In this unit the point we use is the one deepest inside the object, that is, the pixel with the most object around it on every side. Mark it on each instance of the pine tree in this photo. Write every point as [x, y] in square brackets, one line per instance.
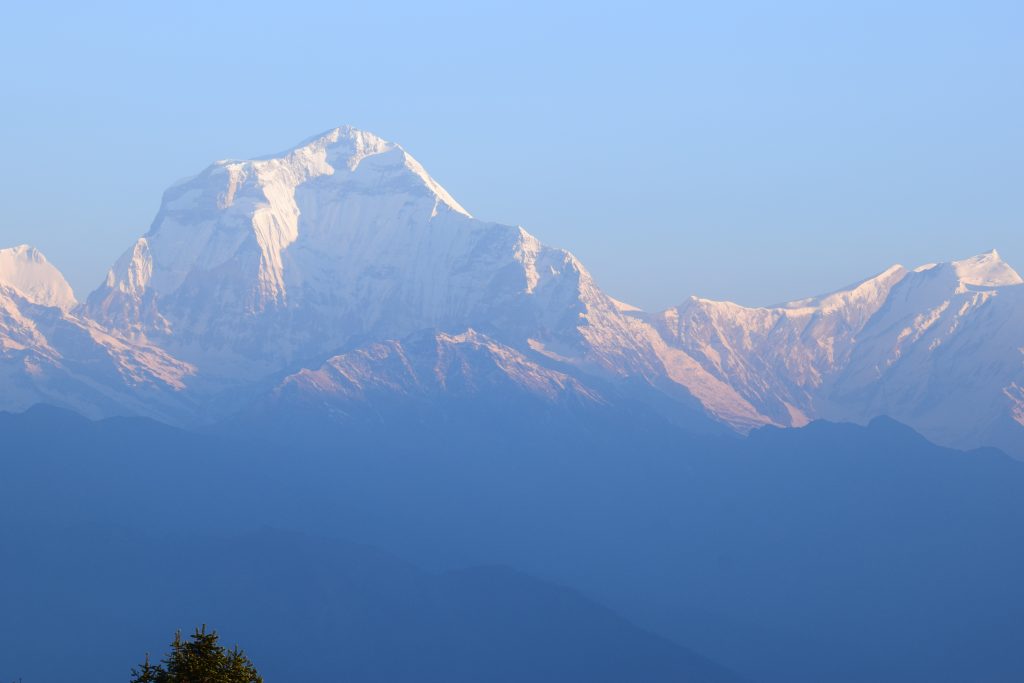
[147, 673]
[201, 659]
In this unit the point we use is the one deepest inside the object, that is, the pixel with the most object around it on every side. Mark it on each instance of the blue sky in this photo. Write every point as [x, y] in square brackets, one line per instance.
[749, 151]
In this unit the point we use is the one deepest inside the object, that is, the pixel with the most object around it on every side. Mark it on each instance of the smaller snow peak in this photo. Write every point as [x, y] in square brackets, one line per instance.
[986, 270]
[25, 270]
[135, 268]
[528, 237]
[28, 253]
[20, 254]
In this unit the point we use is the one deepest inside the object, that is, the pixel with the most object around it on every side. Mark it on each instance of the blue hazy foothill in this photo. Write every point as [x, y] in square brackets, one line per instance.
[833, 552]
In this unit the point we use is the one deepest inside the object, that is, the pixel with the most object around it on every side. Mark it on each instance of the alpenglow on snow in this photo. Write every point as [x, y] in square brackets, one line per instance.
[340, 274]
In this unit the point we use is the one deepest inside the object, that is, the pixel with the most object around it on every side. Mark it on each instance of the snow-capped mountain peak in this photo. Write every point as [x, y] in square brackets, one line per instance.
[337, 151]
[253, 264]
[341, 264]
[25, 270]
[986, 270]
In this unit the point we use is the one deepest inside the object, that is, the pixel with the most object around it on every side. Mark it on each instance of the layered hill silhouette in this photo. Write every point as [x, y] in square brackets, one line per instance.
[308, 609]
[831, 552]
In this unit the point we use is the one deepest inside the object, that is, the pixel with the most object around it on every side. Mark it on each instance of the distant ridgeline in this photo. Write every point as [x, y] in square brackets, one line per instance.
[553, 552]
[339, 277]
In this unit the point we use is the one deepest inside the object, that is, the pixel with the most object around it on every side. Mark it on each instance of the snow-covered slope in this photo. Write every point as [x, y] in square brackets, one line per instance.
[777, 358]
[50, 355]
[25, 271]
[945, 355]
[253, 266]
[430, 368]
[340, 274]
[254, 270]
[940, 348]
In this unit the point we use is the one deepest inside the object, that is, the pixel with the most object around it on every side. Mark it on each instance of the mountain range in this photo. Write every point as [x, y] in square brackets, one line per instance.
[338, 278]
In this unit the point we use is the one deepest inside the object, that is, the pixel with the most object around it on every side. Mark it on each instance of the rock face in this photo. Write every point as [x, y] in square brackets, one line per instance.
[340, 270]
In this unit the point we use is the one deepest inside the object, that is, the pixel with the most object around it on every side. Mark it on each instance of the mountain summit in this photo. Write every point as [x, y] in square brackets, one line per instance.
[339, 275]
[254, 266]
[26, 272]
[986, 270]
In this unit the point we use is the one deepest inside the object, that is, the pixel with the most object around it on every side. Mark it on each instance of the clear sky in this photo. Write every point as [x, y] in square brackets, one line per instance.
[755, 151]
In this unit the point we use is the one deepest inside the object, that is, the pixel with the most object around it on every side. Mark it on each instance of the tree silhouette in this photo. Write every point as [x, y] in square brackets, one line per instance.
[200, 659]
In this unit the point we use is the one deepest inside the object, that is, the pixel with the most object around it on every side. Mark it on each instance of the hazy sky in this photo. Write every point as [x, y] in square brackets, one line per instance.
[750, 151]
